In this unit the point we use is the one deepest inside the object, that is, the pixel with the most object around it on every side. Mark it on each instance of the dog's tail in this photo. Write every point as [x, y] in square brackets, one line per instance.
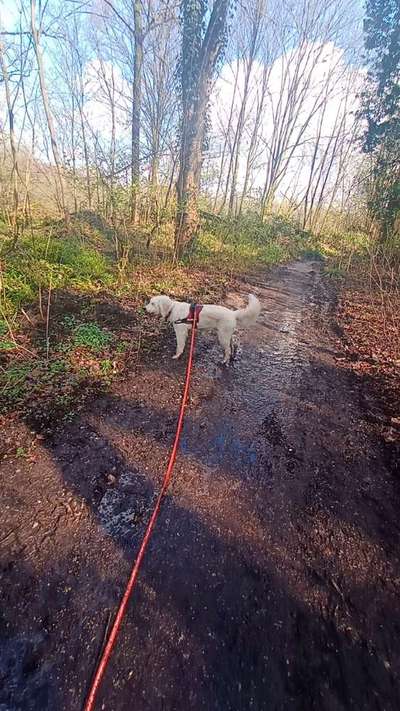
[249, 315]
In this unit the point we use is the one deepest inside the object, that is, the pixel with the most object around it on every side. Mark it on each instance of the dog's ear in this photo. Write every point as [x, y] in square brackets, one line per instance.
[164, 305]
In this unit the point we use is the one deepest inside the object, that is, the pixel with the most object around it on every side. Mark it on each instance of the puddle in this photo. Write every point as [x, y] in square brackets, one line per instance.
[121, 509]
[224, 445]
[269, 362]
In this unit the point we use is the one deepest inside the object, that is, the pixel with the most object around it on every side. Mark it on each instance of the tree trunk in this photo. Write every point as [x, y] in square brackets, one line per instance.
[14, 156]
[254, 137]
[155, 161]
[73, 149]
[46, 105]
[256, 26]
[226, 141]
[195, 104]
[136, 108]
[86, 157]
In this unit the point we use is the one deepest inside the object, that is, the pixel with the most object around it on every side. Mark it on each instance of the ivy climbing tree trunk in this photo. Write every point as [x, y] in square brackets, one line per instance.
[201, 46]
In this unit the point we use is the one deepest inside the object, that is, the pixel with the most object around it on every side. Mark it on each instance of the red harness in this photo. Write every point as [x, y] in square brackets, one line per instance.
[194, 311]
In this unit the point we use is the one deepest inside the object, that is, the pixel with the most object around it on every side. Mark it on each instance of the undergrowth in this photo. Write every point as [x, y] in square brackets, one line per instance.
[42, 262]
[248, 242]
[46, 355]
[83, 356]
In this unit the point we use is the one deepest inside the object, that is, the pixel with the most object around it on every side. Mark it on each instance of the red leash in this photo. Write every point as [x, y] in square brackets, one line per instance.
[112, 637]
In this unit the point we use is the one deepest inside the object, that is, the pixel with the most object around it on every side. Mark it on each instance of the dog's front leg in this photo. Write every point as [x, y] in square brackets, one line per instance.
[181, 333]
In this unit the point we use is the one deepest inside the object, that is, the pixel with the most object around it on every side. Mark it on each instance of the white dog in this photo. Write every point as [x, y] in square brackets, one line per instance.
[222, 319]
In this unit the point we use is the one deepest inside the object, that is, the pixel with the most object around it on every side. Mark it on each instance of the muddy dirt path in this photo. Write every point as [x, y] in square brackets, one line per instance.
[272, 580]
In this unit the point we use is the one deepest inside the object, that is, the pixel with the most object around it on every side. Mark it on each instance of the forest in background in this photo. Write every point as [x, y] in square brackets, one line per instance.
[166, 146]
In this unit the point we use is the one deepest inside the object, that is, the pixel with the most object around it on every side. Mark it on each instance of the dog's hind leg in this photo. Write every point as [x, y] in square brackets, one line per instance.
[234, 348]
[225, 334]
[181, 333]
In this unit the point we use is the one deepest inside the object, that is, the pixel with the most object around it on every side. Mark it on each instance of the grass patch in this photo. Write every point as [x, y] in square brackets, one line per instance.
[86, 355]
[6, 345]
[42, 261]
[342, 246]
[13, 380]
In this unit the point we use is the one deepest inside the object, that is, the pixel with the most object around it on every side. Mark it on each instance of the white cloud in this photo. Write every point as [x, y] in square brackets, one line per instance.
[101, 79]
[9, 15]
[323, 97]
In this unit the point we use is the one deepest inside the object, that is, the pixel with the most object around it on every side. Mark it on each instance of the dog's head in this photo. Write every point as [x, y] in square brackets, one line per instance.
[159, 305]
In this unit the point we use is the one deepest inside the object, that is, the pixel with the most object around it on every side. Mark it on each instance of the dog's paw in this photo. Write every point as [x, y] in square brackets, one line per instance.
[176, 356]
